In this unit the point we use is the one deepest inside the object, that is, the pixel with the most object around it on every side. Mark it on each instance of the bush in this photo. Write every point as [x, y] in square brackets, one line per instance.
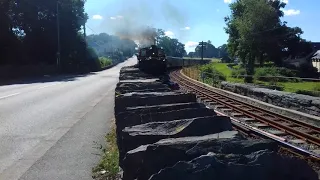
[238, 73]
[226, 59]
[92, 60]
[261, 73]
[316, 87]
[210, 72]
[233, 66]
[104, 62]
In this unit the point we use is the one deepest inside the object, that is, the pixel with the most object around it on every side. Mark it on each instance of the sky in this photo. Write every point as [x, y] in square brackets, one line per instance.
[190, 21]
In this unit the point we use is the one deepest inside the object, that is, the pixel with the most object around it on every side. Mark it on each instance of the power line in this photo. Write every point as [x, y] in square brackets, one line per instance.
[91, 29]
[95, 33]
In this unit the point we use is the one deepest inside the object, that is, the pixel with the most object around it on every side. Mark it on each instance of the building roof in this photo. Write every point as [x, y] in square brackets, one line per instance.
[316, 56]
[316, 45]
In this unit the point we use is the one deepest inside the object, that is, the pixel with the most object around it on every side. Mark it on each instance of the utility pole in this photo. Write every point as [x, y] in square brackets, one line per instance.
[58, 36]
[202, 47]
[202, 51]
[85, 39]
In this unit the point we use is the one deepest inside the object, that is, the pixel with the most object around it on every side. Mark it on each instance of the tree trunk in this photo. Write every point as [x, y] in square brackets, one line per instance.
[250, 68]
[261, 60]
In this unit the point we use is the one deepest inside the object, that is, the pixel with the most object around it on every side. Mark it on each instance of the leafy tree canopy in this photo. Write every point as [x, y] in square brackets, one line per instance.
[256, 33]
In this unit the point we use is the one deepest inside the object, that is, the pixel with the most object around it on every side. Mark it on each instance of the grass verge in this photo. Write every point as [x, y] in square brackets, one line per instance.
[212, 59]
[302, 87]
[108, 167]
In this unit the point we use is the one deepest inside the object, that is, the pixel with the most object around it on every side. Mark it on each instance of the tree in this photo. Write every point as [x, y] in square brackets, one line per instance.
[191, 54]
[9, 41]
[209, 51]
[223, 51]
[172, 47]
[112, 46]
[259, 35]
[30, 28]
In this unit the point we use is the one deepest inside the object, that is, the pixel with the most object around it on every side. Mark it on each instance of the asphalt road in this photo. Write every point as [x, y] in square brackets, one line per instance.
[48, 126]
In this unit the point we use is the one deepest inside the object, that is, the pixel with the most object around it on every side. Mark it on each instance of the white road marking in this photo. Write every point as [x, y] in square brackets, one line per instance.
[10, 95]
[48, 86]
[3, 97]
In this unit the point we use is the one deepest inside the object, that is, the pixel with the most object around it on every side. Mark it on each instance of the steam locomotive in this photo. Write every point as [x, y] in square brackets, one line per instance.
[152, 60]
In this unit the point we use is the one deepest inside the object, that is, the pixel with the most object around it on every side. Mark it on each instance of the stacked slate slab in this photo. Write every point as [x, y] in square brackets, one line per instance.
[166, 134]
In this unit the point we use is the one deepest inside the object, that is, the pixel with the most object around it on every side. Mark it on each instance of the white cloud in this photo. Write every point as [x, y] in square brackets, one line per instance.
[291, 12]
[191, 44]
[169, 34]
[116, 17]
[227, 1]
[185, 28]
[97, 16]
[284, 1]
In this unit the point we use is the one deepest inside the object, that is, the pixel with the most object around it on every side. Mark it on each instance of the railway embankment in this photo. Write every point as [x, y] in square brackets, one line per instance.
[303, 103]
[166, 134]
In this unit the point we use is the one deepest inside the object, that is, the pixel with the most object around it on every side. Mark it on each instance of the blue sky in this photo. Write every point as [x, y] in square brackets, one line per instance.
[191, 21]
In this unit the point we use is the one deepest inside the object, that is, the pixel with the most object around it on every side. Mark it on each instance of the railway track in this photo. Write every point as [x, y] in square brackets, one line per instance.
[298, 137]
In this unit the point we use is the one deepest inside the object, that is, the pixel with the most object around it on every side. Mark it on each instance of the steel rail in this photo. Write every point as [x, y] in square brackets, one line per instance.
[247, 111]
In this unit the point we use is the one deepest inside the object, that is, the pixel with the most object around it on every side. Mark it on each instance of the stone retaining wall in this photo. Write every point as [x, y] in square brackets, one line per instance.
[165, 134]
[303, 103]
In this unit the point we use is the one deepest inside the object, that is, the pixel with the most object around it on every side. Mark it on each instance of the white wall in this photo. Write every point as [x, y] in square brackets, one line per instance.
[316, 65]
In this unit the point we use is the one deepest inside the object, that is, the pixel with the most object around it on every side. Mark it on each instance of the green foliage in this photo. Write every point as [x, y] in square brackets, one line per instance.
[104, 62]
[212, 73]
[259, 35]
[112, 47]
[275, 86]
[210, 51]
[28, 32]
[110, 159]
[238, 73]
[261, 73]
[290, 85]
[172, 47]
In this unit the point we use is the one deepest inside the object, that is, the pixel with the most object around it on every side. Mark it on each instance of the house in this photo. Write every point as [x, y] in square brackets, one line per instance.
[316, 45]
[304, 60]
[316, 60]
[316, 56]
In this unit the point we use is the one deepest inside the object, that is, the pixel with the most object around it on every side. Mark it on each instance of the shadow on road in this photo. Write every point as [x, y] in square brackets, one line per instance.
[44, 79]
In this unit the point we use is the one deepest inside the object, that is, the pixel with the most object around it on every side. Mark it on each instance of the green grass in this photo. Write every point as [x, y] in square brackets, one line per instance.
[223, 68]
[226, 71]
[212, 59]
[310, 88]
[295, 86]
[109, 164]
